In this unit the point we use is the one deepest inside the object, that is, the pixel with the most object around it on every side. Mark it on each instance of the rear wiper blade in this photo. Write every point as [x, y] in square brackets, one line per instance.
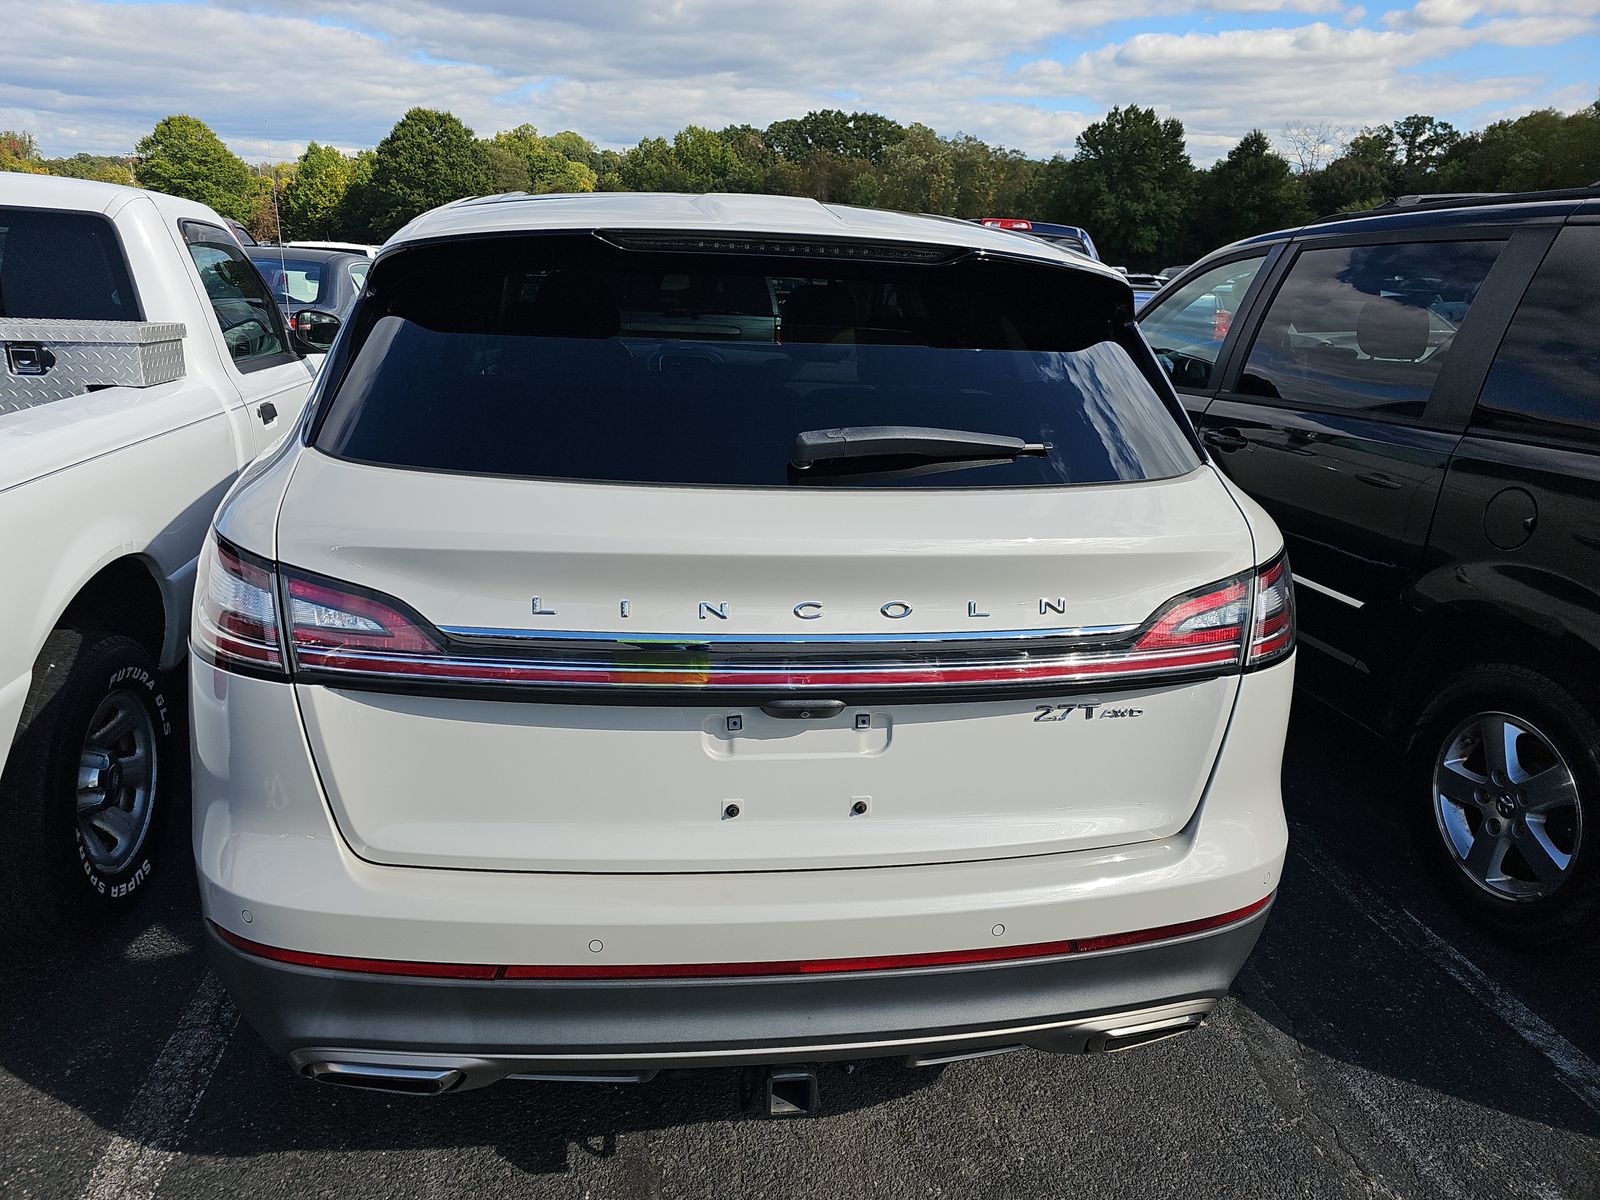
[913, 441]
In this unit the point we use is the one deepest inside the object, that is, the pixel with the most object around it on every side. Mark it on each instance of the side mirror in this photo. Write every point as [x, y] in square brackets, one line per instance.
[314, 330]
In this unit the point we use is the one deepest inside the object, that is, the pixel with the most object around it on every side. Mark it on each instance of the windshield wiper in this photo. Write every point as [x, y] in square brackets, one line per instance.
[904, 441]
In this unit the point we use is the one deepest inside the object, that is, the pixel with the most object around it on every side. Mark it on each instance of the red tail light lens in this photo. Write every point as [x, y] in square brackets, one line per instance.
[236, 610]
[1272, 631]
[338, 628]
[1220, 324]
[335, 630]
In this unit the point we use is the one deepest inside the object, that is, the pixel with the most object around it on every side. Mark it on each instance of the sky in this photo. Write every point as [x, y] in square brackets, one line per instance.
[269, 75]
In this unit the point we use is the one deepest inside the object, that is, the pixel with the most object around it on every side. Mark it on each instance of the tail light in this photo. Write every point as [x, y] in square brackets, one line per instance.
[332, 631]
[1272, 631]
[1220, 324]
[236, 611]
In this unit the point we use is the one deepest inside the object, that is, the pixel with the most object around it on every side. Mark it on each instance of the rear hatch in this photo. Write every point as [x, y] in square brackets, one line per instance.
[562, 603]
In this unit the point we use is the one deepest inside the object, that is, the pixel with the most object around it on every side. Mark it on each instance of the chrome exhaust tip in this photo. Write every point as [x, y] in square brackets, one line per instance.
[377, 1077]
[1128, 1037]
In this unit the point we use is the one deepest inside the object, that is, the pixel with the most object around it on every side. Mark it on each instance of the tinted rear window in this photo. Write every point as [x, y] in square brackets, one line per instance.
[566, 358]
[63, 265]
[1546, 379]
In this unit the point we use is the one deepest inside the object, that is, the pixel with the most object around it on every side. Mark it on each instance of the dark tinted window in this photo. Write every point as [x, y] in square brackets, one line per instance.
[1366, 327]
[63, 265]
[248, 318]
[1546, 378]
[564, 358]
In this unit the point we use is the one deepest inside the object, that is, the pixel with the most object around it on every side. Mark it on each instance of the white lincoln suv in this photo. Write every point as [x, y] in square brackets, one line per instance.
[733, 630]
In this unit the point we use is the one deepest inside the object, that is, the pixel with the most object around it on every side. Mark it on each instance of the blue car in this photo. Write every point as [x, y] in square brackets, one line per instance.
[1069, 237]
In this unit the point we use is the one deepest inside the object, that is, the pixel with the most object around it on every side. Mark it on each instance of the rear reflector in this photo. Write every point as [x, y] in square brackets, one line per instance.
[815, 966]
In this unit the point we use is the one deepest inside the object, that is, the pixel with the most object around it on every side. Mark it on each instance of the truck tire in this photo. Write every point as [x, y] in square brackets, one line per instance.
[85, 786]
[1503, 767]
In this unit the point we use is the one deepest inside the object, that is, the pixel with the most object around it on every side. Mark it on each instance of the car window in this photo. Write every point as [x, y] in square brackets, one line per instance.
[564, 358]
[1187, 328]
[358, 273]
[294, 282]
[1366, 327]
[64, 266]
[1546, 377]
[246, 315]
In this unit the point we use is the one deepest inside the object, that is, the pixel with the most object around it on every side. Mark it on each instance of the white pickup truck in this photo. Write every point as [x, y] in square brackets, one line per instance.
[144, 366]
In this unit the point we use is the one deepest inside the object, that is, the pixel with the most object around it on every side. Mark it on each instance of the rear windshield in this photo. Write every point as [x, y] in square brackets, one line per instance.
[569, 358]
[63, 265]
[294, 281]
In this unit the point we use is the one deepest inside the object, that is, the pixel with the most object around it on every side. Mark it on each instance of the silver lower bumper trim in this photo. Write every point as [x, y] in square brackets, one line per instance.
[1076, 1035]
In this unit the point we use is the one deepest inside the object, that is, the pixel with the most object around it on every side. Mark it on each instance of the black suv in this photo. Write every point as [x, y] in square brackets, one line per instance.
[1413, 393]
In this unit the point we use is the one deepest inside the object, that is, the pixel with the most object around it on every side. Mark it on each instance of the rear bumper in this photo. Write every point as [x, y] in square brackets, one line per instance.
[472, 1033]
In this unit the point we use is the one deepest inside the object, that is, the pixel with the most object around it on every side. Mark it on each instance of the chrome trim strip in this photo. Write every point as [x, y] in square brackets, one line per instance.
[1069, 669]
[1330, 592]
[1180, 1014]
[633, 640]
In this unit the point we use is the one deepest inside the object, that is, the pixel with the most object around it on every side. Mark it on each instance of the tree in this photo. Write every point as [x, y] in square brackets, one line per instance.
[919, 174]
[1130, 185]
[696, 160]
[19, 152]
[576, 148]
[830, 131]
[1248, 192]
[429, 158]
[1543, 149]
[1421, 143]
[105, 168]
[311, 201]
[183, 157]
[522, 161]
[1311, 147]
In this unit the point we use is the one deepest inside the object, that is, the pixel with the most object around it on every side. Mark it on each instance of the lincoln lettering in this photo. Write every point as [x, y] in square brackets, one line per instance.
[811, 610]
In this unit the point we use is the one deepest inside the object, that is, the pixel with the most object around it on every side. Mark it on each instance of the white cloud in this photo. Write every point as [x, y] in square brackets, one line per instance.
[342, 71]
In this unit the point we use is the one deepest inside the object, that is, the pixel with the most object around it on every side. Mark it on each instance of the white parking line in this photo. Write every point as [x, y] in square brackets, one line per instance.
[1577, 1070]
[158, 1115]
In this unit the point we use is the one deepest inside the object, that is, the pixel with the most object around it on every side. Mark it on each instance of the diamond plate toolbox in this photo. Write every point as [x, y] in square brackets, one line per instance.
[49, 360]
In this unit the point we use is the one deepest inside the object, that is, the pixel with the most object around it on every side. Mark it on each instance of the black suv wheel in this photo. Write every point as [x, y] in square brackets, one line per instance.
[85, 786]
[1504, 774]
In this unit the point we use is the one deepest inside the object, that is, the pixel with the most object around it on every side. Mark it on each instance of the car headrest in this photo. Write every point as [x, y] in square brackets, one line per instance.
[1386, 328]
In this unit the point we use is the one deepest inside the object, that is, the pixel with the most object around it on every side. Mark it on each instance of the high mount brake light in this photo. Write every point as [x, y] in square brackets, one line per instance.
[236, 620]
[336, 631]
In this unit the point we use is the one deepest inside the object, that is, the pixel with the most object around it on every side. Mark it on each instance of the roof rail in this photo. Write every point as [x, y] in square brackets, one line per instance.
[1435, 200]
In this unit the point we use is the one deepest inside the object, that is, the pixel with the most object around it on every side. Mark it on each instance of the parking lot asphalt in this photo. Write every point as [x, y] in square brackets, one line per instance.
[1375, 1045]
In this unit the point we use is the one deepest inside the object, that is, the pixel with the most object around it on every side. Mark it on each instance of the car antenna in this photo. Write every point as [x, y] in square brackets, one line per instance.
[283, 267]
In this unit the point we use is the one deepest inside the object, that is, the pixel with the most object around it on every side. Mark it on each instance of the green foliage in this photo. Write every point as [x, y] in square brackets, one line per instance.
[311, 202]
[522, 161]
[830, 131]
[1543, 149]
[19, 152]
[1129, 185]
[429, 158]
[1248, 192]
[696, 160]
[104, 168]
[183, 157]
